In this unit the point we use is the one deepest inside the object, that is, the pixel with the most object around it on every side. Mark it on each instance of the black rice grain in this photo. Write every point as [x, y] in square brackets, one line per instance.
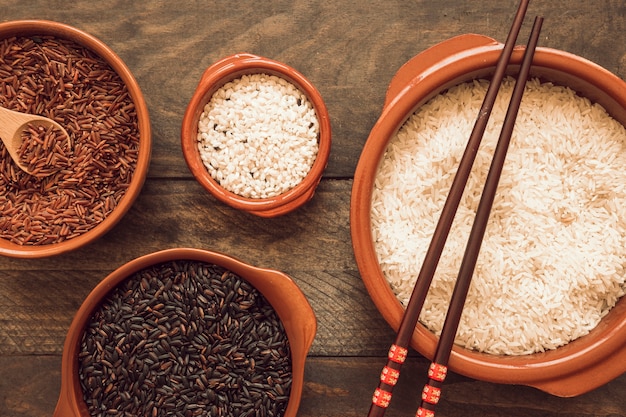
[185, 338]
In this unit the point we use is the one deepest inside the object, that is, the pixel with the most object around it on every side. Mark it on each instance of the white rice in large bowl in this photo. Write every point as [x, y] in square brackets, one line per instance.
[552, 261]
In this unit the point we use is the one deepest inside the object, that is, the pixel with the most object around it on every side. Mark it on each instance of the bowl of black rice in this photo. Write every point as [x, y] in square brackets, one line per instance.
[188, 332]
[63, 73]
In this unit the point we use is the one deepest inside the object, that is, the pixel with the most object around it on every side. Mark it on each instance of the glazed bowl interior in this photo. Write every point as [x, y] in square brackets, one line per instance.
[577, 367]
[287, 300]
[62, 31]
[215, 77]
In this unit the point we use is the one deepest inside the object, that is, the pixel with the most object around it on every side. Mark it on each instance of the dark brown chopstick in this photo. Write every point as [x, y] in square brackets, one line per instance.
[438, 368]
[399, 349]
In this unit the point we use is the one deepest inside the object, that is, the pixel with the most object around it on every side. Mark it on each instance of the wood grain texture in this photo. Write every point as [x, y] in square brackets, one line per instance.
[341, 386]
[312, 245]
[350, 49]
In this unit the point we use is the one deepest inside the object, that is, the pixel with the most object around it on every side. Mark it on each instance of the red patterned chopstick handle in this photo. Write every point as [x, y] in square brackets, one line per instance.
[388, 379]
[432, 390]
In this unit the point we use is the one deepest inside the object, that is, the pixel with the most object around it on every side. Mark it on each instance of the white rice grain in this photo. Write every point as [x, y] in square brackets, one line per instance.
[258, 136]
[552, 261]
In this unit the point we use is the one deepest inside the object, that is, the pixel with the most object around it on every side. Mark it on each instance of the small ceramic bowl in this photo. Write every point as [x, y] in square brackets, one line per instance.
[287, 300]
[577, 367]
[216, 76]
[40, 28]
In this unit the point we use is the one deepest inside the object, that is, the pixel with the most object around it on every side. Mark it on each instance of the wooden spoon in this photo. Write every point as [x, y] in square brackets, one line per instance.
[13, 124]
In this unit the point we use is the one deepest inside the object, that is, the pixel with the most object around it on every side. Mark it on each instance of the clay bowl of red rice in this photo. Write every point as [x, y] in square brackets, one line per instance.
[256, 134]
[546, 306]
[68, 75]
[191, 332]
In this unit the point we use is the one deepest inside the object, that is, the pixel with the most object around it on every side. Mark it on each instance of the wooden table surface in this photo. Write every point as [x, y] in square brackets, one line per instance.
[349, 49]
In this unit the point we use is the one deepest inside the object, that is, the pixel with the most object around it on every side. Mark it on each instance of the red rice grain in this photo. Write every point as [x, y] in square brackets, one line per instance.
[68, 83]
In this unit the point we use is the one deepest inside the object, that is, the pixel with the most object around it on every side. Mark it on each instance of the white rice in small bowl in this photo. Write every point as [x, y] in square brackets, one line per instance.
[258, 136]
[552, 261]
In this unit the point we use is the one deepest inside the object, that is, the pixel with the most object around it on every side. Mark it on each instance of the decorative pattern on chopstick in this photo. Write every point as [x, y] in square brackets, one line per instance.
[422, 412]
[382, 395]
[397, 354]
[437, 372]
[432, 390]
[431, 394]
[389, 376]
[381, 398]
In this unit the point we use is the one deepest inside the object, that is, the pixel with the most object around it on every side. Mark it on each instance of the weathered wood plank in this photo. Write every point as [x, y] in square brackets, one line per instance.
[29, 387]
[38, 298]
[35, 321]
[178, 213]
[37, 307]
[350, 381]
[348, 49]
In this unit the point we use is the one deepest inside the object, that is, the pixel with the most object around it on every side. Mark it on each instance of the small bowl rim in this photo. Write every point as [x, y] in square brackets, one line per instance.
[47, 27]
[566, 371]
[294, 311]
[213, 78]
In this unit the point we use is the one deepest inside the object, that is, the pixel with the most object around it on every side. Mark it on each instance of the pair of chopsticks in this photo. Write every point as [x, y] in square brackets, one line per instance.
[399, 350]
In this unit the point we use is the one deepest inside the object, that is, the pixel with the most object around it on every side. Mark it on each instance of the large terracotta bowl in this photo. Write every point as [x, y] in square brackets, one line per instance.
[62, 31]
[286, 298]
[229, 69]
[573, 369]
